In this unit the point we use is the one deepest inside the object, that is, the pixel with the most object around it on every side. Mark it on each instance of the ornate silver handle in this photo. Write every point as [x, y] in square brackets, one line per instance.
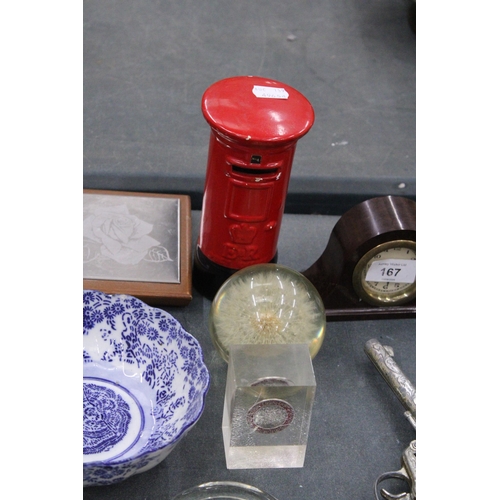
[382, 357]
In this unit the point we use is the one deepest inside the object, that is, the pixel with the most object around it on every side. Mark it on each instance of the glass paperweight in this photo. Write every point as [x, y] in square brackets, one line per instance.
[267, 304]
[224, 490]
[268, 404]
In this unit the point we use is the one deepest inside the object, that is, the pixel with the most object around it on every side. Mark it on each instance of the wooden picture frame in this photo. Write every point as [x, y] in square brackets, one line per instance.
[138, 244]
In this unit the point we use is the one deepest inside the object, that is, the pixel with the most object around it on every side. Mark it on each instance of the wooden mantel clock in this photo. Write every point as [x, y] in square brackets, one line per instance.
[368, 268]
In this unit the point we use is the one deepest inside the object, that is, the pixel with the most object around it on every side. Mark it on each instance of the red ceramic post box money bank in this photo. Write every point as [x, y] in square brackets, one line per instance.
[255, 125]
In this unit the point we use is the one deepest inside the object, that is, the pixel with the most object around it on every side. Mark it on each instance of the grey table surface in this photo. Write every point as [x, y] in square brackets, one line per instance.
[146, 64]
[358, 429]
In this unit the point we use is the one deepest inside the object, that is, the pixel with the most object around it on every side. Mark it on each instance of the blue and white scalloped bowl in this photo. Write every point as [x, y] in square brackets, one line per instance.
[144, 386]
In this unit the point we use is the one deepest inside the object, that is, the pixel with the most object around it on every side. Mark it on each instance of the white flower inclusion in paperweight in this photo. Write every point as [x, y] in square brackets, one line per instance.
[267, 304]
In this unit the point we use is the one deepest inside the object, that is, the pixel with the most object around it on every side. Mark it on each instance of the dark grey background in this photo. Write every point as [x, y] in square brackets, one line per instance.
[148, 62]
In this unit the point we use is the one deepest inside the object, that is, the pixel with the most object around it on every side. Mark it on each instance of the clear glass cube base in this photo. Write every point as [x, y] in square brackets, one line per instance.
[268, 404]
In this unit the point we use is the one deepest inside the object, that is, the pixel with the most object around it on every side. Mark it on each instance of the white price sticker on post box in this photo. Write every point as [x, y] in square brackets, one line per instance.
[394, 271]
[269, 92]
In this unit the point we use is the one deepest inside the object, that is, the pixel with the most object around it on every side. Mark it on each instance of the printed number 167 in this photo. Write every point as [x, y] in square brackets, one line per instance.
[390, 271]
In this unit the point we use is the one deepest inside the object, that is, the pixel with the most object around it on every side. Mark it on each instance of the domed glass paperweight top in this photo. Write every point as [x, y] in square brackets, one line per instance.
[267, 304]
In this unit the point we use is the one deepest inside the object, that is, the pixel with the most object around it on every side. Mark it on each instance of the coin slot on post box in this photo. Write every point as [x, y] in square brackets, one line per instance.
[253, 171]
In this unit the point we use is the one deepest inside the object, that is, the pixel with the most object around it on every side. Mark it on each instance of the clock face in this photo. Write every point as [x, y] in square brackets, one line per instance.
[386, 274]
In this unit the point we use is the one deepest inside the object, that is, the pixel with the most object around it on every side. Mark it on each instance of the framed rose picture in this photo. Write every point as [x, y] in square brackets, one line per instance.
[138, 244]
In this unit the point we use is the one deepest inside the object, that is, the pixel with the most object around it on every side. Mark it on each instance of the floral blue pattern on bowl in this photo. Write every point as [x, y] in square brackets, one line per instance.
[144, 386]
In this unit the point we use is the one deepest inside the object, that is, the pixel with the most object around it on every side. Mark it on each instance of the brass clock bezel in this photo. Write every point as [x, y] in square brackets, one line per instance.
[379, 298]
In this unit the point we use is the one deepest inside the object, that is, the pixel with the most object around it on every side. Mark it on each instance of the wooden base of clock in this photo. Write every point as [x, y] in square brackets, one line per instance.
[362, 228]
[355, 312]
